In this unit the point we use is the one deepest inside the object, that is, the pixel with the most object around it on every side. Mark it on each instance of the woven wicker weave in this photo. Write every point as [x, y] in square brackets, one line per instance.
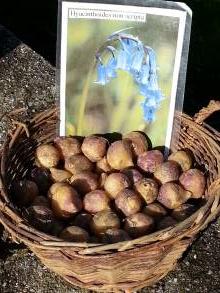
[125, 266]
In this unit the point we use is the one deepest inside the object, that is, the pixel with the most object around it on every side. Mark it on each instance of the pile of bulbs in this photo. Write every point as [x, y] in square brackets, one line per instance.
[100, 191]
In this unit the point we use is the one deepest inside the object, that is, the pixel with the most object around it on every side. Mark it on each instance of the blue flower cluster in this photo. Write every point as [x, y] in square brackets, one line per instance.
[140, 61]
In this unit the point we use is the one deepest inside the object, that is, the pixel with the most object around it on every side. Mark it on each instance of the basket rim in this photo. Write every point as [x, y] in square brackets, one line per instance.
[24, 232]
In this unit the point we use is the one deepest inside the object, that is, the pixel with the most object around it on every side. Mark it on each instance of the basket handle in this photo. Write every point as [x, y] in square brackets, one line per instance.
[205, 112]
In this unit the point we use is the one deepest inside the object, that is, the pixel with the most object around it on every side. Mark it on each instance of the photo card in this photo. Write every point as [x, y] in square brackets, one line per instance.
[122, 67]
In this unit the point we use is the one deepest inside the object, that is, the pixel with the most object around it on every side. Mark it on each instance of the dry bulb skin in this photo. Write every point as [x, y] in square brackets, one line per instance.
[82, 220]
[194, 181]
[94, 148]
[85, 182]
[119, 155]
[74, 234]
[172, 195]
[167, 172]
[133, 175]
[42, 178]
[183, 158]
[183, 212]
[115, 183]
[103, 166]
[155, 210]
[96, 201]
[129, 202]
[24, 191]
[148, 189]
[59, 175]
[166, 223]
[115, 235]
[48, 156]
[138, 141]
[150, 160]
[138, 225]
[65, 202]
[77, 164]
[68, 146]
[103, 221]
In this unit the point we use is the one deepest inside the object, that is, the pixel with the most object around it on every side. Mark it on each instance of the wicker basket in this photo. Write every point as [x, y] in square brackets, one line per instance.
[125, 266]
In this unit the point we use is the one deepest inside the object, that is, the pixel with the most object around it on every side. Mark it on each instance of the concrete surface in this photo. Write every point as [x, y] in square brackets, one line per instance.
[26, 79]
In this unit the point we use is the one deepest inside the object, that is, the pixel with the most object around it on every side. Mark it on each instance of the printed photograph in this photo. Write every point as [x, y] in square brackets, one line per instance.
[119, 70]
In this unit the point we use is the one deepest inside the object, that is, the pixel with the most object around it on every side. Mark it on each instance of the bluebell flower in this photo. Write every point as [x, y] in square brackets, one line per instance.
[151, 102]
[123, 60]
[101, 74]
[144, 77]
[111, 68]
[137, 58]
[128, 44]
[137, 75]
[152, 60]
[153, 82]
[149, 113]
[151, 94]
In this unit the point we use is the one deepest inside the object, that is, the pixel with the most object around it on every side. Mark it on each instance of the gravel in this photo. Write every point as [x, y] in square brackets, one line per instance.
[27, 80]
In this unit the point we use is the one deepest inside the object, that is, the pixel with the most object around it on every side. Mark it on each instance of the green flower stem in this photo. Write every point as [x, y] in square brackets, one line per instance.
[83, 101]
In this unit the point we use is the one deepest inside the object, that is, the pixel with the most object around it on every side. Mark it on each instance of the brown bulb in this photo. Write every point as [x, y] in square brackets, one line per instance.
[183, 212]
[42, 178]
[183, 158]
[77, 164]
[166, 223]
[41, 201]
[74, 234]
[65, 202]
[104, 220]
[115, 235]
[103, 166]
[133, 175]
[96, 201]
[54, 187]
[138, 141]
[59, 175]
[85, 182]
[24, 192]
[40, 217]
[194, 181]
[115, 183]
[56, 228]
[167, 172]
[48, 156]
[128, 201]
[138, 225]
[155, 210]
[150, 160]
[94, 147]
[148, 189]
[68, 146]
[173, 195]
[82, 220]
[119, 155]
